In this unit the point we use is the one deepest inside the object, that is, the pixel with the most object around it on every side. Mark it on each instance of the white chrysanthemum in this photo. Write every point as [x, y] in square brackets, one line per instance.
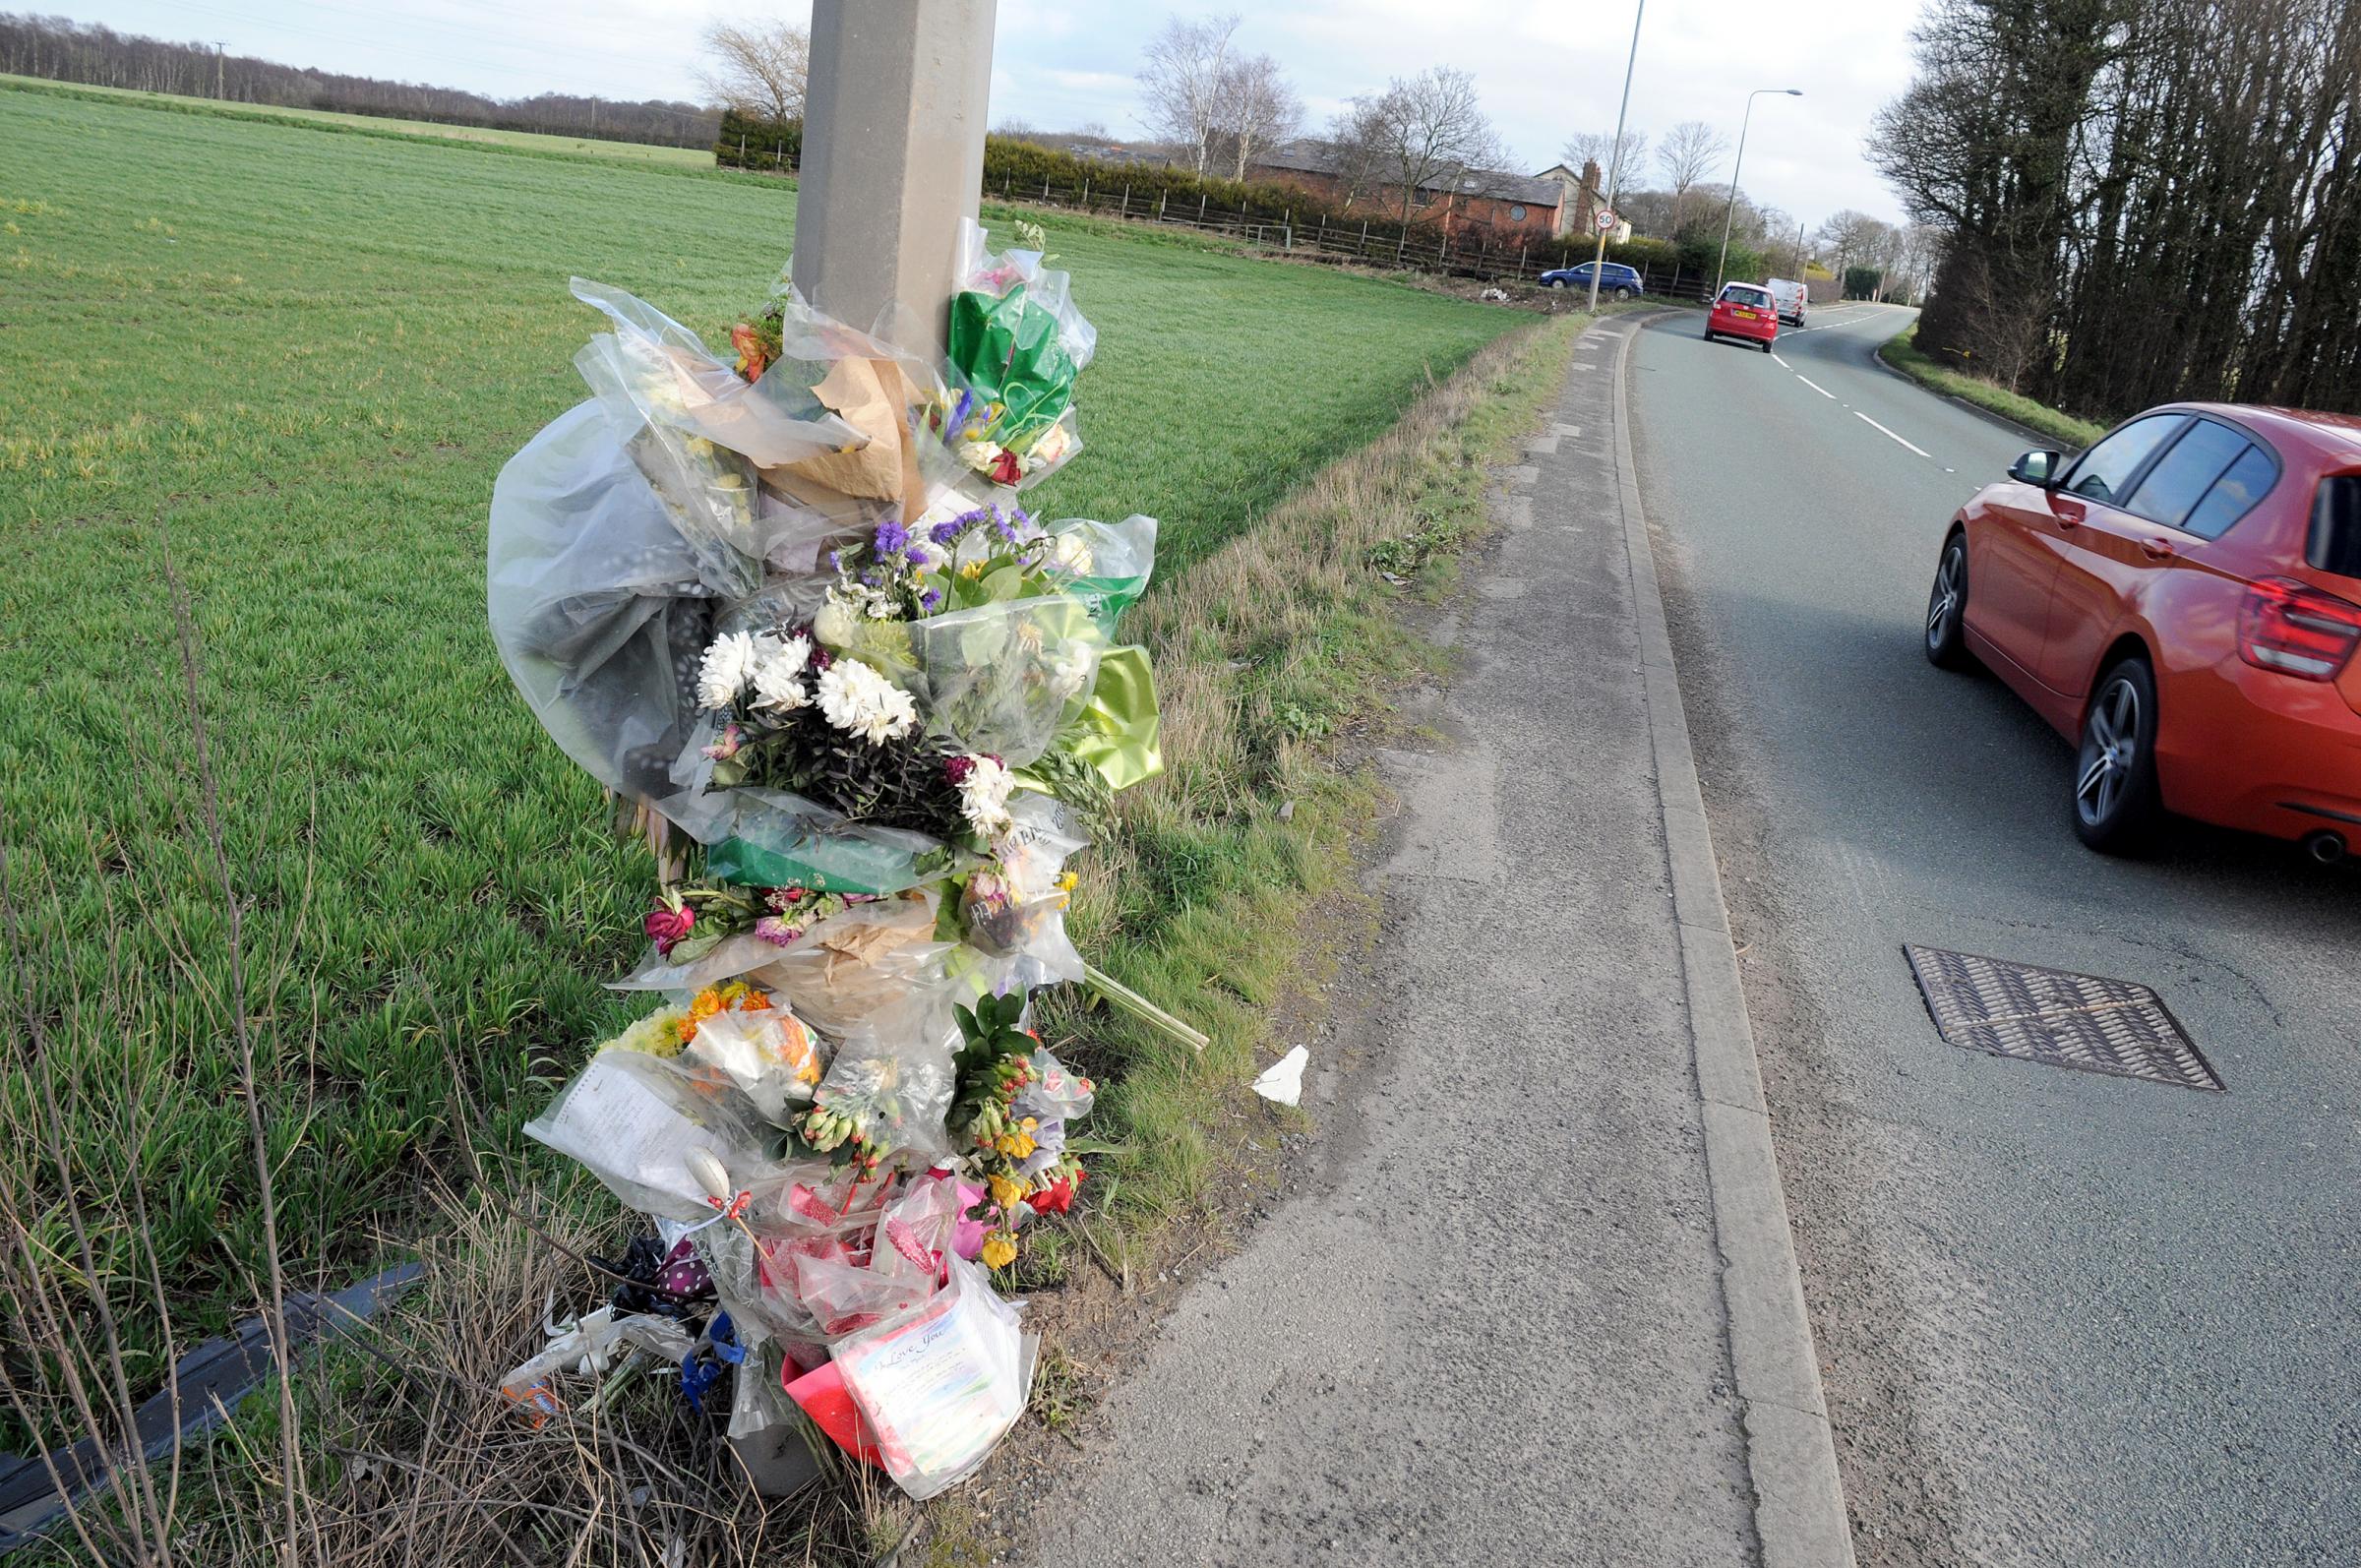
[833, 625]
[979, 455]
[779, 680]
[984, 795]
[858, 700]
[729, 663]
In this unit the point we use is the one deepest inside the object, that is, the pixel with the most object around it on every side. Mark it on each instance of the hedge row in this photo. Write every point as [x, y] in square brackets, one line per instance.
[1012, 169]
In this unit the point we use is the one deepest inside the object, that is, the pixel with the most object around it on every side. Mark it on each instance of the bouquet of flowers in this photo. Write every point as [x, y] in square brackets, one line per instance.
[785, 601]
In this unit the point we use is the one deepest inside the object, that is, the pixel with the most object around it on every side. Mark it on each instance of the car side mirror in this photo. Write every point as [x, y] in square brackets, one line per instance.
[2038, 467]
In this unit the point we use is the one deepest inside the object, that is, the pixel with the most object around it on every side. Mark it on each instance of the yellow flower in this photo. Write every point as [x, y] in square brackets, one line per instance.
[1069, 882]
[1000, 1250]
[1016, 1145]
[1008, 1192]
[707, 1003]
[972, 570]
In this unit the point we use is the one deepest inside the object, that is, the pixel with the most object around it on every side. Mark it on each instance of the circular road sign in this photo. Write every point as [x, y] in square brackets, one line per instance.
[1602, 220]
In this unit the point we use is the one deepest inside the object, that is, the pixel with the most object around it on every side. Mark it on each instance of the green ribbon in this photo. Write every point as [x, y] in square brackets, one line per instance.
[825, 864]
[1115, 732]
[1008, 348]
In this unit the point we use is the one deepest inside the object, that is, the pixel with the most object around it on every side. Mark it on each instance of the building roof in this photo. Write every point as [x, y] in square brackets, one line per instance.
[1313, 158]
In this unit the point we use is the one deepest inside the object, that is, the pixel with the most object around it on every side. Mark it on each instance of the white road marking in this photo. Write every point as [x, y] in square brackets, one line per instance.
[1816, 387]
[1874, 425]
[1781, 363]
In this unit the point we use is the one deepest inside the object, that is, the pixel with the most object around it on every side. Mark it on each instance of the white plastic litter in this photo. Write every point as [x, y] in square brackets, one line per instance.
[1283, 1080]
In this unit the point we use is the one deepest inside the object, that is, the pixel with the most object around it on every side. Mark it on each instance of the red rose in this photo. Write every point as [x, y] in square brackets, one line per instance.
[667, 928]
[1004, 469]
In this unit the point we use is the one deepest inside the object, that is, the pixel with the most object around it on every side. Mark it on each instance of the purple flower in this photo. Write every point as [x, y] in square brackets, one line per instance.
[835, 561]
[1002, 526]
[916, 557]
[892, 537]
[776, 932]
[945, 532]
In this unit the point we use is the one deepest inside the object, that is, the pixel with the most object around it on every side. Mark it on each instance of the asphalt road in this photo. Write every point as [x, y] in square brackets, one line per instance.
[2064, 1319]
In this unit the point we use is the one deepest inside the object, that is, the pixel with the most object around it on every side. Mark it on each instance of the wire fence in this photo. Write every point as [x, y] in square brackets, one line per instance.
[1475, 252]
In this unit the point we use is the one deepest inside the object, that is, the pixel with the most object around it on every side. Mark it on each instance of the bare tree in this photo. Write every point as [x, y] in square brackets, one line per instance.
[1188, 69]
[1257, 108]
[1687, 154]
[759, 69]
[1848, 235]
[1599, 146]
[1425, 134]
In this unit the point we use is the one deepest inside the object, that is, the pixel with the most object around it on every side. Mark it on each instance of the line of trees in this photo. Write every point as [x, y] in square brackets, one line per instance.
[2139, 199]
[63, 50]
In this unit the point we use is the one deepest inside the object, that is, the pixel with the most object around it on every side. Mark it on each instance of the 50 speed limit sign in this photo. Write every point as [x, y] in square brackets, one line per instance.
[1602, 219]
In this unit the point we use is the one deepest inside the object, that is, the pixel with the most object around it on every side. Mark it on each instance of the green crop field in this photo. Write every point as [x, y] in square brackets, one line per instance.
[295, 361]
[677, 157]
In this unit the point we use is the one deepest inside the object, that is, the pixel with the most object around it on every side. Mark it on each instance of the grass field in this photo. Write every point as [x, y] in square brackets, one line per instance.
[1901, 351]
[646, 153]
[300, 359]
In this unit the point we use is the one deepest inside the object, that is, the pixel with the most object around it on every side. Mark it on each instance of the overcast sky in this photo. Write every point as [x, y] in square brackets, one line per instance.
[1544, 68]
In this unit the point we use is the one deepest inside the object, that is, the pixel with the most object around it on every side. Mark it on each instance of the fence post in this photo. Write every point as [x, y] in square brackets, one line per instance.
[1085, 193]
[742, 150]
[1125, 210]
[1161, 198]
[1201, 207]
[1402, 244]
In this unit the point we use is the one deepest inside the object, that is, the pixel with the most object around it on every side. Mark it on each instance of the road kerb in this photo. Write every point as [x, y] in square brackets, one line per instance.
[1791, 1450]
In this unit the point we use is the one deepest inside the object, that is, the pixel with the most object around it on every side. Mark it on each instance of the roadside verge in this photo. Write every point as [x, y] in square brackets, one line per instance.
[1791, 1450]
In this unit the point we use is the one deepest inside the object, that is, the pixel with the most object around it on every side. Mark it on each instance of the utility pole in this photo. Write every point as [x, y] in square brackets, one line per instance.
[892, 160]
[1614, 165]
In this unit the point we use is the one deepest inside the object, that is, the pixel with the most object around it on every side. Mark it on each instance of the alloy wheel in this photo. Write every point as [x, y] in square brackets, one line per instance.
[1944, 602]
[2110, 750]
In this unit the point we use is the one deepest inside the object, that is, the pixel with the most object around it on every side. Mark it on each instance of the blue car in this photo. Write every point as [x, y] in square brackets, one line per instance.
[1615, 278]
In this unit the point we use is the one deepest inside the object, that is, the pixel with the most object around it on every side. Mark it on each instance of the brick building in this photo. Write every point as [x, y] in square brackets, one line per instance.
[1510, 208]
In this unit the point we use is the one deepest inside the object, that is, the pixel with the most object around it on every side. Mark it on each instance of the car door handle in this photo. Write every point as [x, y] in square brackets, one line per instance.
[2157, 549]
[2068, 519]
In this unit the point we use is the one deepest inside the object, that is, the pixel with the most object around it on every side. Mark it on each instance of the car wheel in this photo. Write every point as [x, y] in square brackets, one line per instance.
[1710, 335]
[2115, 799]
[1765, 345]
[1622, 293]
[1947, 608]
[1557, 282]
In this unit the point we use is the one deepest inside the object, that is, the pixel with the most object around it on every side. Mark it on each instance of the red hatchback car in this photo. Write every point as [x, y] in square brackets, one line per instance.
[1745, 311]
[2184, 599]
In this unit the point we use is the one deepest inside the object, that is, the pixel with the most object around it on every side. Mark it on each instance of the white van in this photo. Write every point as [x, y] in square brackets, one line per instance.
[1791, 298]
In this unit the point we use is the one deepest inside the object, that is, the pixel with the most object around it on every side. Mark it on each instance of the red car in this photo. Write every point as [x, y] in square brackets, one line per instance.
[1745, 311]
[2184, 600]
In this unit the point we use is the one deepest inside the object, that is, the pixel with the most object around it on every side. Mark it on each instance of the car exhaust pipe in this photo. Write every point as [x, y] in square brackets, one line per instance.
[2324, 848]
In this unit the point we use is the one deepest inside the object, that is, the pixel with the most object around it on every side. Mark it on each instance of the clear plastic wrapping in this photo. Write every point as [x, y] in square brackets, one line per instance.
[999, 679]
[939, 1385]
[632, 1119]
[1110, 562]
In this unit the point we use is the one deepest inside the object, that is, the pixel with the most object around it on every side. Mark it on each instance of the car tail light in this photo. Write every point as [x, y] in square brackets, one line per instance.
[2297, 631]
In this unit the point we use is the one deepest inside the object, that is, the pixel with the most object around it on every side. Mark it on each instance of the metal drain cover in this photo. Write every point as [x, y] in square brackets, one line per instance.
[2067, 1020]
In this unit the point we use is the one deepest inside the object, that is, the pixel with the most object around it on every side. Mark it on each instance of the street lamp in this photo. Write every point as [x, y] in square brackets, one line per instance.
[1731, 210]
[1615, 161]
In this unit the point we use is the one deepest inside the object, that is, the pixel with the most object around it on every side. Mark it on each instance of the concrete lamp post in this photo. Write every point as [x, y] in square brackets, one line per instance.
[1731, 210]
[1614, 159]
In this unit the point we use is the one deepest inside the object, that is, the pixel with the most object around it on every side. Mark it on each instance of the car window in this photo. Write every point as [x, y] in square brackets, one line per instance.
[2242, 484]
[2107, 467]
[2334, 544]
[2187, 471]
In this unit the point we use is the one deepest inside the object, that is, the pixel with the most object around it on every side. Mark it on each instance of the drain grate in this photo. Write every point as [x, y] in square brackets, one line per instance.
[2067, 1020]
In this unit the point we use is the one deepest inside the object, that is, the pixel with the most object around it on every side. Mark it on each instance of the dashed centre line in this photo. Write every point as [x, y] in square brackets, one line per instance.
[1874, 425]
[1815, 386]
